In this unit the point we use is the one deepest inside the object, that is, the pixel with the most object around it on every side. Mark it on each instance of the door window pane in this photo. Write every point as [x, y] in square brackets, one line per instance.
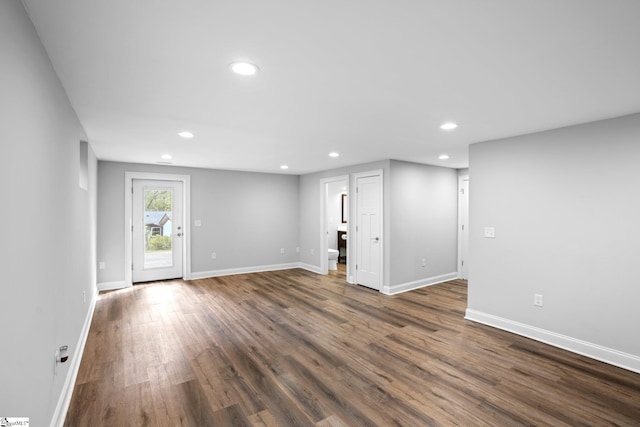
[157, 228]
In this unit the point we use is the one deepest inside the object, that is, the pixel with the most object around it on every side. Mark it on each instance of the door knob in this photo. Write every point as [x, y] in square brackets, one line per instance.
[375, 238]
[179, 234]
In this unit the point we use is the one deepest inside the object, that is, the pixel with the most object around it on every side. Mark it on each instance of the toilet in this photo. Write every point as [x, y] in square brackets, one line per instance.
[333, 259]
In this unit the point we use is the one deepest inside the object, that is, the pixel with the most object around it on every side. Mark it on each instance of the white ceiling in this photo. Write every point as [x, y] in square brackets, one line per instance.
[372, 80]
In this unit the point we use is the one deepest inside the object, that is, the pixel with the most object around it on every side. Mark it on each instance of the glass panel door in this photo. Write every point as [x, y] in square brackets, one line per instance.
[157, 233]
[157, 229]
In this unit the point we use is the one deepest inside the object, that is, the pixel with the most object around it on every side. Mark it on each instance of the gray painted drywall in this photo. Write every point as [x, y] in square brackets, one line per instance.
[48, 220]
[565, 210]
[424, 221]
[246, 218]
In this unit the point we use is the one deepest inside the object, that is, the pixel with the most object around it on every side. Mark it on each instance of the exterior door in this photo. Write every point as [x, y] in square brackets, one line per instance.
[369, 231]
[157, 231]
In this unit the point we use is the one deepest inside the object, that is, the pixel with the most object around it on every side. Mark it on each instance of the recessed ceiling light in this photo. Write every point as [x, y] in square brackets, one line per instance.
[244, 68]
[334, 154]
[166, 156]
[443, 157]
[448, 126]
[186, 134]
[284, 167]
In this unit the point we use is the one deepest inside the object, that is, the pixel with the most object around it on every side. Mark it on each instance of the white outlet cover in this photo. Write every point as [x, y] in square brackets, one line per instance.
[538, 300]
[197, 223]
[490, 232]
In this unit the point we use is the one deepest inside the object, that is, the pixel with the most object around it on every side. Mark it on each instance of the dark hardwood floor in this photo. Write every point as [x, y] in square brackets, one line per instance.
[292, 348]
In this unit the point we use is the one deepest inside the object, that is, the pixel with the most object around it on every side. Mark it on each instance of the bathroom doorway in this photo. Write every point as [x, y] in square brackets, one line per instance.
[334, 233]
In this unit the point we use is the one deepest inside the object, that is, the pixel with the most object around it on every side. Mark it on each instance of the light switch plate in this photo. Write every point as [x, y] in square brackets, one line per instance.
[490, 232]
[197, 223]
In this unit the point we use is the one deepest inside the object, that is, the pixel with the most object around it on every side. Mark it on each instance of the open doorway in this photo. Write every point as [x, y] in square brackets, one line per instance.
[334, 234]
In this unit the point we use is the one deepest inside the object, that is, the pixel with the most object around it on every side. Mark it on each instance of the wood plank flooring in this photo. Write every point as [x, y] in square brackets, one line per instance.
[292, 348]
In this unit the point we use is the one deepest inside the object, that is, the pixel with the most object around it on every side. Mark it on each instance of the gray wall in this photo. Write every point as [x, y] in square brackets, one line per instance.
[246, 218]
[48, 259]
[420, 219]
[424, 221]
[565, 208]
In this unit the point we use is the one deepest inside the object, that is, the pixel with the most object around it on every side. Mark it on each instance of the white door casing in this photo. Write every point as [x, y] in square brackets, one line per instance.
[149, 264]
[369, 230]
[463, 227]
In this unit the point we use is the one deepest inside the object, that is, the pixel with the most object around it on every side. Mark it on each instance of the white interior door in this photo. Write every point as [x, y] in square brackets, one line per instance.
[157, 231]
[369, 231]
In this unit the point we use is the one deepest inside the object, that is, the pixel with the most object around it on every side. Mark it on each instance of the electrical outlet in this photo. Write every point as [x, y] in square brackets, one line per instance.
[281, 250]
[538, 300]
[84, 297]
[311, 251]
[297, 249]
[214, 255]
[424, 262]
[490, 232]
[197, 223]
[102, 265]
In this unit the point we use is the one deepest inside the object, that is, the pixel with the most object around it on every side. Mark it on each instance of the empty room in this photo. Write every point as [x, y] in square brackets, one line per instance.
[245, 213]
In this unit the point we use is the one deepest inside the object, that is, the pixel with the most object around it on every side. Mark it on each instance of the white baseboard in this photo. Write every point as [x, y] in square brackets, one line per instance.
[67, 390]
[110, 286]
[243, 270]
[604, 354]
[309, 267]
[409, 286]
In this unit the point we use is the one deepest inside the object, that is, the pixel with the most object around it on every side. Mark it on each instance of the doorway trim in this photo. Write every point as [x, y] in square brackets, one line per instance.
[463, 221]
[128, 219]
[324, 261]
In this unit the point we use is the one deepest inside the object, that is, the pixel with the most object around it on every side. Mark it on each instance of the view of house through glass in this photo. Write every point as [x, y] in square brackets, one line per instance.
[157, 228]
